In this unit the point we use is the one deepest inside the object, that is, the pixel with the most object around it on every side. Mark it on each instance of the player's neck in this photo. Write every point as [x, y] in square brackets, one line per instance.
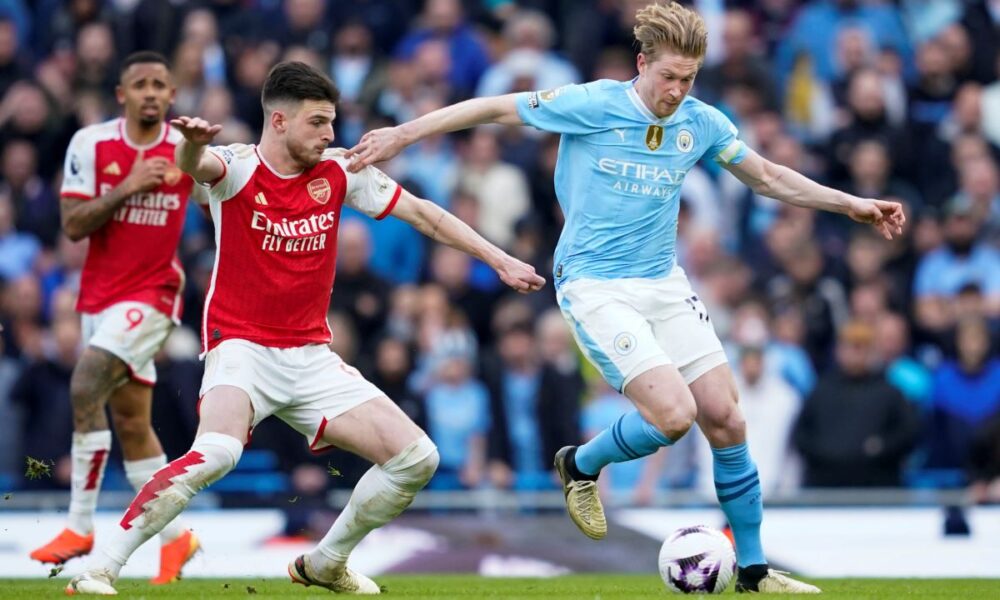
[650, 103]
[141, 134]
[276, 154]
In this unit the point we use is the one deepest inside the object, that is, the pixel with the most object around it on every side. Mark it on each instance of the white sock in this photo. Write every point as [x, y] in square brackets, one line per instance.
[90, 456]
[381, 494]
[166, 494]
[138, 473]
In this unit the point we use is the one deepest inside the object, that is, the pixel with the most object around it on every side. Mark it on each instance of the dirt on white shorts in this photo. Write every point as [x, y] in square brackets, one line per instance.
[132, 331]
[306, 387]
[628, 326]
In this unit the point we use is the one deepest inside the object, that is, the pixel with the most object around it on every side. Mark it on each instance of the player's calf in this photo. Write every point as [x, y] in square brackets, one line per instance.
[96, 376]
[381, 494]
[167, 493]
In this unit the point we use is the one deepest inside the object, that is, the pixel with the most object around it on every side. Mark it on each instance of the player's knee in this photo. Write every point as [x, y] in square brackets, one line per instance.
[131, 429]
[415, 465]
[674, 419]
[733, 423]
[725, 426]
[219, 454]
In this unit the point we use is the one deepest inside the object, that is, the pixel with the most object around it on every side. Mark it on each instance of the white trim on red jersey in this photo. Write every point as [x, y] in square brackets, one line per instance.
[79, 173]
[274, 171]
[368, 189]
[176, 314]
[216, 210]
[165, 130]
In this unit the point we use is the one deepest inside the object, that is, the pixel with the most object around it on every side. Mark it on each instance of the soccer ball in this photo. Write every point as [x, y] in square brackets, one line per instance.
[697, 560]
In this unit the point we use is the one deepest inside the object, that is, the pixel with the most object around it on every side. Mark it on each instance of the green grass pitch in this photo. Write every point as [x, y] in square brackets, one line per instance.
[436, 587]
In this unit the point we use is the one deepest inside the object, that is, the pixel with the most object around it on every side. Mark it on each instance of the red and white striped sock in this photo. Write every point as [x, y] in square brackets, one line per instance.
[166, 494]
[90, 456]
[138, 473]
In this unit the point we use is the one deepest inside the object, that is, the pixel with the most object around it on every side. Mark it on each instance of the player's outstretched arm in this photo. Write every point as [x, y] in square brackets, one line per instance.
[81, 218]
[776, 181]
[442, 226]
[190, 154]
[382, 144]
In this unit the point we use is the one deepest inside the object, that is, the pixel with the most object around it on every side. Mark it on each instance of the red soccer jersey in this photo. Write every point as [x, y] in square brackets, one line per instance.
[132, 257]
[277, 245]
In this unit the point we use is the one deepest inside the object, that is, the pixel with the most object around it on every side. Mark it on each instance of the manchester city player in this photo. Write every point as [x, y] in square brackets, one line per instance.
[625, 150]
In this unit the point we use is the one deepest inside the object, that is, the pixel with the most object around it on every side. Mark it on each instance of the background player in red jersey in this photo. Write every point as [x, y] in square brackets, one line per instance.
[276, 208]
[122, 190]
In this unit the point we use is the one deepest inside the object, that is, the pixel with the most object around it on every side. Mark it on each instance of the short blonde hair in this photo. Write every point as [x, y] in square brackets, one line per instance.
[670, 27]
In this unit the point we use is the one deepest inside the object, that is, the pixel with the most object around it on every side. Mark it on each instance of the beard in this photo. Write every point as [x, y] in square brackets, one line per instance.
[961, 247]
[149, 121]
[304, 155]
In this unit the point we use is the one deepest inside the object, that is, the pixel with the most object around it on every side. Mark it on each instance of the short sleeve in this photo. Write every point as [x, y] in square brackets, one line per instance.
[573, 109]
[200, 193]
[79, 179]
[726, 148]
[369, 191]
[238, 164]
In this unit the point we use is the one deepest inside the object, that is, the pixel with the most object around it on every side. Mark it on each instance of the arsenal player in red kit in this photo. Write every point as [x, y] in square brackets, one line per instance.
[276, 208]
[122, 190]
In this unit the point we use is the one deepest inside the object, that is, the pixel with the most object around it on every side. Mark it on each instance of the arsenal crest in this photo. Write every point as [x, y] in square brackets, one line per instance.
[319, 190]
[654, 137]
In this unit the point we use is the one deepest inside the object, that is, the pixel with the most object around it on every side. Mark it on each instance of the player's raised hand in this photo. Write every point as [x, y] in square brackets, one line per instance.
[519, 276]
[375, 146]
[885, 216]
[146, 174]
[196, 130]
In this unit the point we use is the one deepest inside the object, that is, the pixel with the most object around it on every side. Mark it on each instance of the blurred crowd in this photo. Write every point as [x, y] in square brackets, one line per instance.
[860, 361]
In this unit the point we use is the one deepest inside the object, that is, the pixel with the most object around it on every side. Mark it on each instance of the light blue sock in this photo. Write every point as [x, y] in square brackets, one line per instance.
[631, 437]
[738, 488]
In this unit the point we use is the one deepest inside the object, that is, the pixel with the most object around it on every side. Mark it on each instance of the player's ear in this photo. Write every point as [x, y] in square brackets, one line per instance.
[120, 94]
[279, 121]
[640, 63]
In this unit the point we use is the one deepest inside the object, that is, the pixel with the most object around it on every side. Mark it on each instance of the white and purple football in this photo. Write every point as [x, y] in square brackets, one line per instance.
[697, 560]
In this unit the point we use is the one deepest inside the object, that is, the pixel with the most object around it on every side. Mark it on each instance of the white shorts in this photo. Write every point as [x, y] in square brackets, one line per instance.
[306, 387]
[132, 331]
[628, 326]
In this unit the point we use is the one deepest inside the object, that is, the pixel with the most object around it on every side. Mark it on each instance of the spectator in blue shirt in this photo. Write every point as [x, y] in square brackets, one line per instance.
[904, 372]
[458, 418]
[443, 20]
[18, 251]
[960, 261]
[818, 25]
[966, 395]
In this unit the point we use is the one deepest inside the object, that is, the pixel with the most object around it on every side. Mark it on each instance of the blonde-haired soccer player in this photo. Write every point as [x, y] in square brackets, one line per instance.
[625, 150]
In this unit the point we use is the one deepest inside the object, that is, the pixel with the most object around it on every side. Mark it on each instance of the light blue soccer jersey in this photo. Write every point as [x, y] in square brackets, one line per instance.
[619, 173]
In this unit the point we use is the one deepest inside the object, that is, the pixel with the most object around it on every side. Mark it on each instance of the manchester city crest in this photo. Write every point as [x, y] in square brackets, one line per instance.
[685, 140]
[624, 343]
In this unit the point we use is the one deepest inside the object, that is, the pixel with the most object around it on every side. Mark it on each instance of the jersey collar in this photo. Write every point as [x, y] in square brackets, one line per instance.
[640, 106]
[274, 171]
[164, 130]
